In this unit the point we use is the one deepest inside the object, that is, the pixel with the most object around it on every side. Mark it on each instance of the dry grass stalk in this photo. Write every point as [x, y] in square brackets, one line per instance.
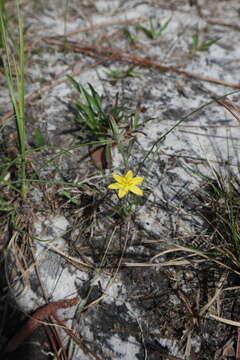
[18, 249]
[218, 291]
[224, 321]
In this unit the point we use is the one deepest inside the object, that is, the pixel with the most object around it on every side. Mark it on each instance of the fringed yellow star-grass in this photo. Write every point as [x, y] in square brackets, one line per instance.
[126, 183]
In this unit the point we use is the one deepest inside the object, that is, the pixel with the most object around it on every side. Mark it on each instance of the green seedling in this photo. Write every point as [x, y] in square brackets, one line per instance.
[196, 45]
[122, 74]
[154, 31]
[39, 139]
[132, 39]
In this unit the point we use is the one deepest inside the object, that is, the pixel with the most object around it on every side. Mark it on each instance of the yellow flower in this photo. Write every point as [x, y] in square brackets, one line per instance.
[126, 183]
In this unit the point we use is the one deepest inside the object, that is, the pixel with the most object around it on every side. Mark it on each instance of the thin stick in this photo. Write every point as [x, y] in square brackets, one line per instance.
[123, 56]
[102, 25]
[221, 23]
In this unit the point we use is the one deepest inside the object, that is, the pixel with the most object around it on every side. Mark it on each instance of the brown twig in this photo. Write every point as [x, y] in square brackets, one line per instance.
[36, 320]
[221, 23]
[123, 56]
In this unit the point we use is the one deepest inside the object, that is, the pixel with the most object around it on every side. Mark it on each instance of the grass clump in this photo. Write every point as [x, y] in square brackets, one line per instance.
[131, 37]
[221, 211]
[14, 74]
[104, 127]
[154, 31]
[200, 45]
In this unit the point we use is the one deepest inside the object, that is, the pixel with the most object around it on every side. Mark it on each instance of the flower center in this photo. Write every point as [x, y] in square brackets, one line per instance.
[127, 182]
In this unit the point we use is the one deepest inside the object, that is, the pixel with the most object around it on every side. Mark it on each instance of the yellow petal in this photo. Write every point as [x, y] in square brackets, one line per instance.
[129, 175]
[136, 190]
[137, 180]
[114, 186]
[122, 193]
[118, 178]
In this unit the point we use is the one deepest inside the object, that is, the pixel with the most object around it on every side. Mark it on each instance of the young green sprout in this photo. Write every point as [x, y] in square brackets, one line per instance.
[196, 45]
[126, 183]
[154, 31]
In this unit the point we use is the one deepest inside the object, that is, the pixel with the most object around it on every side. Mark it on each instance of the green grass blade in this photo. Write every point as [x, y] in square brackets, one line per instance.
[165, 25]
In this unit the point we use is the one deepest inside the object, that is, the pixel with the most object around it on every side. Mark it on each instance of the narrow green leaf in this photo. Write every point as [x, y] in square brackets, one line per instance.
[69, 197]
[115, 130]
[206, 45]
[39, 138]
[165, 25]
